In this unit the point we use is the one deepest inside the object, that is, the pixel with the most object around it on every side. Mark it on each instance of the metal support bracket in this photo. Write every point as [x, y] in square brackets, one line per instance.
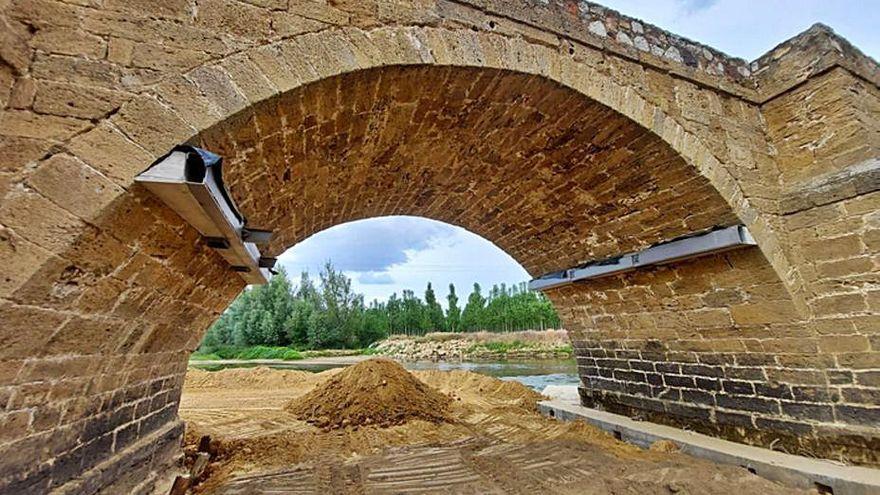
[693, 246]
[190, 181]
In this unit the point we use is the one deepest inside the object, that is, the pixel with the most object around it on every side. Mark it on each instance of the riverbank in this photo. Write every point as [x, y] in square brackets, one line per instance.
[437, 347]
[477, 346]
[305, 363]
[261, 353]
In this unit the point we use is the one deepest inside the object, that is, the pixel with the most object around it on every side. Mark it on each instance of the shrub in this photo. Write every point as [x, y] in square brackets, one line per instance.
[503, 347]
[254, 352]
[198, 356]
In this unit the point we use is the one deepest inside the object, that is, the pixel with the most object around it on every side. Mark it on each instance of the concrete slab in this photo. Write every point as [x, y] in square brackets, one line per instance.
[792, 470]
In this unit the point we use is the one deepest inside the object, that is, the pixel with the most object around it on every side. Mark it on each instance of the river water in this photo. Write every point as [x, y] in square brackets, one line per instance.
[536, 374]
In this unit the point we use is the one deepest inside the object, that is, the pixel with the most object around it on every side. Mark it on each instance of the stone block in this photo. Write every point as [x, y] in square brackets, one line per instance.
[151, 125]
[108, 150]
[744, 403]
[840, 304]
[216, 84]
[763, 313]
[790, 427]
[74, 186]
[26, 124]
[68, 41]
[71, 100]
[865, 416]
[843, 343]
[738, 387]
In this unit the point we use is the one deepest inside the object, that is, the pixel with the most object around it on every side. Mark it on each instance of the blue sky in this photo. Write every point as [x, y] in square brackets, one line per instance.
[750, 28]
[389, 254]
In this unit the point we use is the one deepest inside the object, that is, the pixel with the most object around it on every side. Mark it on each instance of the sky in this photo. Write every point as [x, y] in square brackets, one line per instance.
[750, 28]
[389, 254]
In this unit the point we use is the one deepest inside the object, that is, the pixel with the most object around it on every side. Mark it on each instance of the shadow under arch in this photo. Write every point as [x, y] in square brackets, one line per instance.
[288, 64]
[551, 177]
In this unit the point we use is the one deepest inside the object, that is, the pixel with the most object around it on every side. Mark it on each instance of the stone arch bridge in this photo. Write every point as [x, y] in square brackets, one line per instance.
[562, 131]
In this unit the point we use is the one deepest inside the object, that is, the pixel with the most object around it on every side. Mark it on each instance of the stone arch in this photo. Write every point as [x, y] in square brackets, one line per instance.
[110, 276]
[480, 145]
[206, 95]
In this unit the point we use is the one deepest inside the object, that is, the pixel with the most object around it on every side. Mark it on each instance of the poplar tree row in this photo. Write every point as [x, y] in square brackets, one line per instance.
[329, 314]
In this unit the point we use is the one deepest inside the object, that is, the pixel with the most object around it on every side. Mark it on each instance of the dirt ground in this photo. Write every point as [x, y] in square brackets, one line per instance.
[494, 441]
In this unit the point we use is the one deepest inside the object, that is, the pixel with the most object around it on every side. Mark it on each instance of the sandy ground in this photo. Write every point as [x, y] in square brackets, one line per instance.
[495, 442]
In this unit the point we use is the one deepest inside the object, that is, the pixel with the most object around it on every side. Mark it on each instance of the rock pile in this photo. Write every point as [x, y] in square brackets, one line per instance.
[413, 350]
[374, 392]
[548, 344]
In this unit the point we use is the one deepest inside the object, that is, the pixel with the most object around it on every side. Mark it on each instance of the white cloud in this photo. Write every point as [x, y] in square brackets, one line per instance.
[364, 246]
[389, 254]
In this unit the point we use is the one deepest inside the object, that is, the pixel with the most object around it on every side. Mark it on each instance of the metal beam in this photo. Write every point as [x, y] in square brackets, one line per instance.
[676, 250]
[190, 181]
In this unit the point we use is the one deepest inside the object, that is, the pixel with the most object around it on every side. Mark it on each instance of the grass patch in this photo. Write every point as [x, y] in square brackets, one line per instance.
[266, 352]
[198, 356]
[318, 353]
[254, 352]
[503, 347]
[518, 345]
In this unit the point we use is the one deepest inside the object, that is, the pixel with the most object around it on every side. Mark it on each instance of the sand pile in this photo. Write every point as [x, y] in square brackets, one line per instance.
[481, 390]
[374, 392]
[258, 377]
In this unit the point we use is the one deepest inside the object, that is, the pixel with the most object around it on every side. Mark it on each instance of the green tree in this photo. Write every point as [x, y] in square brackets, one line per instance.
[339, 313]
[260, 314]
[375, 326]
[330, 314]
[305, 302]
[472, 317]
[394, 311]
[278, 306]
[453, 312]
[433, 311]
[414, 317]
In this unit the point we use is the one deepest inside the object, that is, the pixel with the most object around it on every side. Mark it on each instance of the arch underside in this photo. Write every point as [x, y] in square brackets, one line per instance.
[553, 178]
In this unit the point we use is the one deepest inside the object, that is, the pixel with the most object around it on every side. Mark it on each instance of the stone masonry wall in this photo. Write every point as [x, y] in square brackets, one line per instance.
[827, 134]
[95, 352]
[715, 345]
[104, 291]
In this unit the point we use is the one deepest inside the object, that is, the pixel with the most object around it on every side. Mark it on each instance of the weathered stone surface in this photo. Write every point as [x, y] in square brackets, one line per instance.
[562, 132]
[74, 186]
[20, 123]
[36, 218]
[75, 101]
[69, 42]
[367, 154]
[112, 153]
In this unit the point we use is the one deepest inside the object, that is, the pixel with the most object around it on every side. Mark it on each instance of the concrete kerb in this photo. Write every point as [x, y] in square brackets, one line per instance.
[792, 470]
